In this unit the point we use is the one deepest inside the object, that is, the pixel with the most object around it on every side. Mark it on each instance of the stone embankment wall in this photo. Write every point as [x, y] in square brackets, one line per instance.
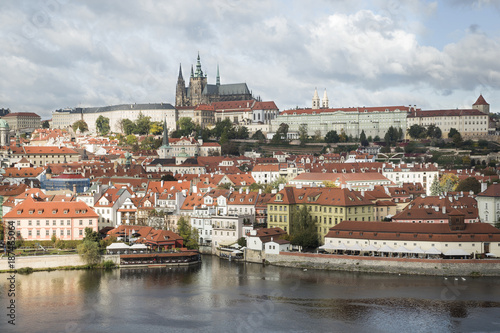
[51, 261]
[440, 267]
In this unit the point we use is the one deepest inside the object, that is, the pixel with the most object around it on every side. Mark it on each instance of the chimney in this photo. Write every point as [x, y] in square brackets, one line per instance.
[161, 183]
[240, 190]
[444, 210]
[247, 191]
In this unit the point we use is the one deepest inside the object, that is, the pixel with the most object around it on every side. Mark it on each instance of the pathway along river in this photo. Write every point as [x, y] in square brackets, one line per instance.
[222, 296]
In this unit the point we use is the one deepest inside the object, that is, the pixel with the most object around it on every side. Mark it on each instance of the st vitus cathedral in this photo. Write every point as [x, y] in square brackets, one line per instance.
[200, 92]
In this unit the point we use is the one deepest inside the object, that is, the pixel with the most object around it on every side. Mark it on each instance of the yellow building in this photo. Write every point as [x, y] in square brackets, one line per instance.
[327, 206]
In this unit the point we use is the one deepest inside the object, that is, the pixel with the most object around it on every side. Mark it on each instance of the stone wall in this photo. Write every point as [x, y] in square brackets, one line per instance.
[440, 267]
[51, 261]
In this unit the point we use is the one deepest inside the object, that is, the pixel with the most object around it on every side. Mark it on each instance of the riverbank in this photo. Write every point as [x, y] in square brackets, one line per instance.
[437, 267]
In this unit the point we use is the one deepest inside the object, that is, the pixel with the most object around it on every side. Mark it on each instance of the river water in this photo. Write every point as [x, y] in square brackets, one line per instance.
[222, 296]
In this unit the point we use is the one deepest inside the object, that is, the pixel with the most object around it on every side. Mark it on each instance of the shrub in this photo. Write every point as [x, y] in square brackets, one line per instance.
[25, 270]
[108, 264]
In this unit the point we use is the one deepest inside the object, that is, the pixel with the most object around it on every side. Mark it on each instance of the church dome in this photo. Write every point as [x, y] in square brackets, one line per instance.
[4, 124]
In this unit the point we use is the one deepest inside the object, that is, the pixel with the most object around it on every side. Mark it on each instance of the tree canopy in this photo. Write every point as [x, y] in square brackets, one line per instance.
[332, 137]
[303, 229]
[80, 125]
[188, 234]
[469, 184]
[102, 125]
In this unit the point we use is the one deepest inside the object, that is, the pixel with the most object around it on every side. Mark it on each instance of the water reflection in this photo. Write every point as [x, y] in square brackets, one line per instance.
[219, 295]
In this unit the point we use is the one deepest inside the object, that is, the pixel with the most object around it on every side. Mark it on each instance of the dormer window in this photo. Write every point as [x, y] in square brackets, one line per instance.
[31, 211]
[65, 211]
[19, 212]
[40, 211]
[54, 211]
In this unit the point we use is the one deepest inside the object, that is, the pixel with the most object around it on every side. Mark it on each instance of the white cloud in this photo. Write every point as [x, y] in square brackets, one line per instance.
[58, 53]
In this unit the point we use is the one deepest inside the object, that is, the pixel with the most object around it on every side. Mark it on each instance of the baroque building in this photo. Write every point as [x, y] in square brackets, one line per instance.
[200, 92]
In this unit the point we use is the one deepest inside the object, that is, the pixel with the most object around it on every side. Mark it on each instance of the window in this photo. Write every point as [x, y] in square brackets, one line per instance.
[80, 232]
[68, 232]
[47, 222]
[46, 232]
[90, 222]
[29, 222]
[53, 222]
[38, 232]
[80, 222]
[37, 222]
[29, 232]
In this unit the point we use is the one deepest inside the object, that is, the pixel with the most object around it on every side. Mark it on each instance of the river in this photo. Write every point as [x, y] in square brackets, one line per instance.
[222, 296]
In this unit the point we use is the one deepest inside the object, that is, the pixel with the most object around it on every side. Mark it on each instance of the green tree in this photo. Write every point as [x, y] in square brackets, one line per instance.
[242, 133]
[281, 135]
[224, 138]
[332, 137]
[221, 127]
[127, 126]
[168, 177]
[417, 131]
[457, 139]
[391, 136]
[143, 124]
[303, 137]
[435, 187]
[452, 132]
[150, 143]
[131, 139]
[433, 132]
[91, 235]
[469, 184]
[45, 124]
[80, 125]
[376, 138]
[188, 234]
[303, 229]
[186, 126]
[259, 136]
[242, 241]
[102, 125]
[89, 252]
[362, 139]
[342, 136]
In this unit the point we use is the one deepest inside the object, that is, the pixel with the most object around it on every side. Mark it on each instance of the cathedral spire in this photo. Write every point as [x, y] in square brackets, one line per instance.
[218, 76]
[180, 72]
[165, 133]
[199, 72]
[192, 73]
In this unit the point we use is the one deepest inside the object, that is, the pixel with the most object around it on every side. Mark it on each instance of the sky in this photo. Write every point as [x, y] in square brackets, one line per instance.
[433, 54]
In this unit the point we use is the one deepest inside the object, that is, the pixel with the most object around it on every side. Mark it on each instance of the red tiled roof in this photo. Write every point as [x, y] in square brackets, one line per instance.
[51, 209]
[439, 232]
[480, 101]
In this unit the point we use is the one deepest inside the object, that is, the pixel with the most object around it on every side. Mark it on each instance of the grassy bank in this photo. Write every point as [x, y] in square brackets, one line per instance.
[108, 264]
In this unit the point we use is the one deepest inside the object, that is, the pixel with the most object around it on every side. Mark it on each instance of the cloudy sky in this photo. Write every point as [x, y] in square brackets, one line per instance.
[433, 54]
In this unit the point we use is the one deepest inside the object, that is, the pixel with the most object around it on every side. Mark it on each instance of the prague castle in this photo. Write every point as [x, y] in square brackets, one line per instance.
[200, 92]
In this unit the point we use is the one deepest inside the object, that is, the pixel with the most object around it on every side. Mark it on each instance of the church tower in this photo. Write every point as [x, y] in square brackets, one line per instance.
[481, 105]
[180, 91]
[324, 103]
[315, 101]
[165, 149]
[197, 84]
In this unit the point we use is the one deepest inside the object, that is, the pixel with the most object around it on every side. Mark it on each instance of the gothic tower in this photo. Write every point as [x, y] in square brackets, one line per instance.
[197, 83]
[180, 91]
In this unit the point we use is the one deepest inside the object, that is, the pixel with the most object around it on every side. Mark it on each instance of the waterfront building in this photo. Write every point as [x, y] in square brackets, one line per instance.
[40, 220]
[488, 202]
[452, 239]
[471, 122]
[257, 238]
[327, 206]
